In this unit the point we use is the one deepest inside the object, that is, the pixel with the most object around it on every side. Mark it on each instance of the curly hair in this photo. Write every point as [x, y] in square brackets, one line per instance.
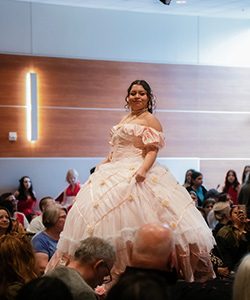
[151, 97]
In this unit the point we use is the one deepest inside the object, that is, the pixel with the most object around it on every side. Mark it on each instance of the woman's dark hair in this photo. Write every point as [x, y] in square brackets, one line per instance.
[227, 185]
[10, 225]
[45, 288]
[147, 88]
[195, 174]
[189, 170]
[22, 191]
[243, 178]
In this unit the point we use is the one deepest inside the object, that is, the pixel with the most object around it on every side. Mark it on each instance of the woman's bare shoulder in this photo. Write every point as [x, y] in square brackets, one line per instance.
[153, 122]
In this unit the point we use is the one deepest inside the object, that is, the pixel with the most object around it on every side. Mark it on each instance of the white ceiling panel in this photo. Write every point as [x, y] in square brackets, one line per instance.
[207, 8]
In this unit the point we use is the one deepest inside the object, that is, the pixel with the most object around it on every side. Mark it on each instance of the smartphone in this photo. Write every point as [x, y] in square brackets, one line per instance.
[242, 207]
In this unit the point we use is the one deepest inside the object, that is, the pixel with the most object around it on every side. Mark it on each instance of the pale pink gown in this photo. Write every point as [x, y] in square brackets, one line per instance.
[112, 205]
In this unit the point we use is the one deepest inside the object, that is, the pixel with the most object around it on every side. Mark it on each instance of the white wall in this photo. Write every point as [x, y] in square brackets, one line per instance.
[54, 30]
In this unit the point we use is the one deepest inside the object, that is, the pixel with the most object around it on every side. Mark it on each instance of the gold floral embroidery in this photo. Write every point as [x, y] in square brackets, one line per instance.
[96, 204]
[131, 168]
[173, 224]
[89, 181]
[155, 179]
[165, 203]
[74, 200]
[130, 197]
[102, 182]
[90, 229]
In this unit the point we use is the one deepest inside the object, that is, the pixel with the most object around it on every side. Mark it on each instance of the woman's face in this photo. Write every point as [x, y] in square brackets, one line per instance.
[27, 183]
[208, 207]
[188, 176]
[4, 219]
[198, 180]
[230, 177]
[61, 220]
[137, 98]
[234, 214]
[72, 180]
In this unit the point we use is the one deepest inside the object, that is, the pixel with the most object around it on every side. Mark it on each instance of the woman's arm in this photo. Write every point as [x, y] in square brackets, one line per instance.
[150, 157]
[41, 260]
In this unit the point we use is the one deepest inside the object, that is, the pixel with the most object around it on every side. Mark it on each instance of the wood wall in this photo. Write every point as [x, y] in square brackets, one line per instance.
[204, 110]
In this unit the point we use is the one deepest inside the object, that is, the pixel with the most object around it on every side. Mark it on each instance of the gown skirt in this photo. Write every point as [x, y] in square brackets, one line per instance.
[113, 206]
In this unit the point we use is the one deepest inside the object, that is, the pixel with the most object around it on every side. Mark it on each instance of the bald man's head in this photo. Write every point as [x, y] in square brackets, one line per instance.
[153, 248]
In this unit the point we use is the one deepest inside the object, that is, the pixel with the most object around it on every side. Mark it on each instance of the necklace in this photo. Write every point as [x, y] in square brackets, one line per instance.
[135, 116]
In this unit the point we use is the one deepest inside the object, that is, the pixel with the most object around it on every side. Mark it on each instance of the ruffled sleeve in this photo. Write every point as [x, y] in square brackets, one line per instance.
[152, 137]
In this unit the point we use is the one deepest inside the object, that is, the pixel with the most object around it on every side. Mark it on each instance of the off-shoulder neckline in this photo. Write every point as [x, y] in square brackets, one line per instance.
[133, 124]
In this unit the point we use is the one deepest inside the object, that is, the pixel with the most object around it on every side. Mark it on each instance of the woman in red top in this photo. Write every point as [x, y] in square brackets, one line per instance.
[68, 195]
[231, 185]
[26, 196]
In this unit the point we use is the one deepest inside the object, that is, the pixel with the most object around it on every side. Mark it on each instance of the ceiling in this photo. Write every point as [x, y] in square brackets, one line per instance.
[207, 8]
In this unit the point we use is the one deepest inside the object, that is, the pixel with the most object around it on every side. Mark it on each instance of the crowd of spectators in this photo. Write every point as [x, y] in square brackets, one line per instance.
[28, 240]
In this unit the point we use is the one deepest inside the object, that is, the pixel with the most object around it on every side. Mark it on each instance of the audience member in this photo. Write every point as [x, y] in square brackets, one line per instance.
[231, 185]
[245, 172]
[5, 221]
[208, 205]
[31, 216]
[198, 187]
[234, 240]
[140, 286]
[194, 197]
[17, 264]
[15, 215]
[212, 193]
[221, 211]
[91, 265]
[244, 195]
[45, 242]
[68, 195]
[241, 290]
[36, 225]
[188, 180]
[45, 288]
[26, 196]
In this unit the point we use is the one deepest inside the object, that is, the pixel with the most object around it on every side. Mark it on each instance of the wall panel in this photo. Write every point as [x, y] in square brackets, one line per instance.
[205, 111]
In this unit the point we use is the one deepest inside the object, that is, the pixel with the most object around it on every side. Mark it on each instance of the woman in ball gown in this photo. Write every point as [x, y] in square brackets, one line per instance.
[129, 189]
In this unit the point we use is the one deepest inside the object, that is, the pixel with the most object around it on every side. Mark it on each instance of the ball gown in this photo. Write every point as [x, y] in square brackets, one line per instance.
[112, 205]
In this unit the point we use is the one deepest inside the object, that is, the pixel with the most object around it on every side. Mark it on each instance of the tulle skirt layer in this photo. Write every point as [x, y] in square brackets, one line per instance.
[113, 206]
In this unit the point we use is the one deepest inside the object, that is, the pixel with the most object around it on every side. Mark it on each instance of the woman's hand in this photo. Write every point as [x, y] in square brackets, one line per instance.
[223, 272]
[140, 174]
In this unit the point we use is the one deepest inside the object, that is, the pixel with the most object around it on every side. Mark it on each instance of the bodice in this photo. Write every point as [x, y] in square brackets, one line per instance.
[130, 140]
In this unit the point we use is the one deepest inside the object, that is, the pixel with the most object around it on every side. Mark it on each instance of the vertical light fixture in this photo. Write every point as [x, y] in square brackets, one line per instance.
[31, 107]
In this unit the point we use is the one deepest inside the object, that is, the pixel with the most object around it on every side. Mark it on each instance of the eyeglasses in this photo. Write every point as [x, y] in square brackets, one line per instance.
[107, 278]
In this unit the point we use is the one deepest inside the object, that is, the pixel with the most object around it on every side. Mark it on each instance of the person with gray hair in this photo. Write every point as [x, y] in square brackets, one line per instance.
[91, 265]
[45, 242]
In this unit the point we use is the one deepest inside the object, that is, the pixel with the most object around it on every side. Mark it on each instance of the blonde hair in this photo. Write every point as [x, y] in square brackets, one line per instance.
[241, 287]
[70, 173]
[17, 261]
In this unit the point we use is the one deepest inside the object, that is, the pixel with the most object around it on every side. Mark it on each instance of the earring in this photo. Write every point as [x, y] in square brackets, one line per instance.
[149, 105]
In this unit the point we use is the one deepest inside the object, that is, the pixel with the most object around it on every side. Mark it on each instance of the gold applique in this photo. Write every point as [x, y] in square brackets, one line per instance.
[155, 179]
[96, 204]
[165, 203]
[173, 224]
[131, 168]
[90, 229]
[89, 181]
[102, 182]
[74, 200]
[130, 197]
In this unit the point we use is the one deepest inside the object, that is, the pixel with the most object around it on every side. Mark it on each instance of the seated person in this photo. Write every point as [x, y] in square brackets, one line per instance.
[91, 266]
[15, 215]
[36, 225]
[234, 240]
[45, 242]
